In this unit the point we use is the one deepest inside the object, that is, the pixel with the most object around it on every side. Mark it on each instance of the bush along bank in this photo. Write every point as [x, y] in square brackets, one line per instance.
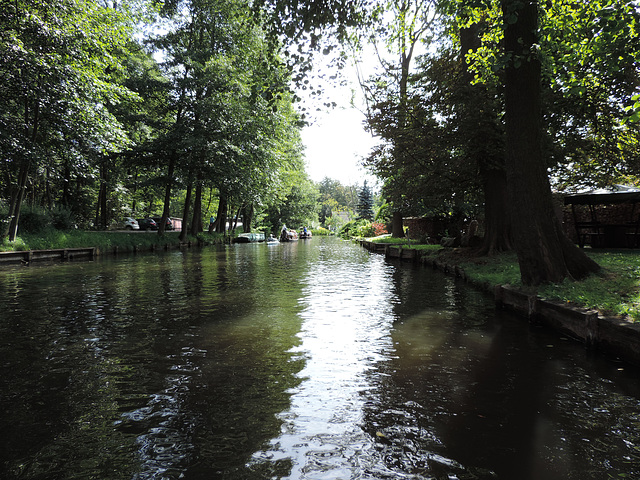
[614, 335]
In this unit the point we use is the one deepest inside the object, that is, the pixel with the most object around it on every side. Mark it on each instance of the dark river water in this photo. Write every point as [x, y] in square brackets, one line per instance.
[310, 360]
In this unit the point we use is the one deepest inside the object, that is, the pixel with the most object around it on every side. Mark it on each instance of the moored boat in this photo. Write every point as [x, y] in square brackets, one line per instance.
[249, 238]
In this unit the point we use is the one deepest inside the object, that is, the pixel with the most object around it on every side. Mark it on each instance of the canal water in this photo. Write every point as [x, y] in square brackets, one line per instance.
[309, 360]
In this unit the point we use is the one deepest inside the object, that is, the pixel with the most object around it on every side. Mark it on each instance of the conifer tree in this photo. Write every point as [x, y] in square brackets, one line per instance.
[365, 203]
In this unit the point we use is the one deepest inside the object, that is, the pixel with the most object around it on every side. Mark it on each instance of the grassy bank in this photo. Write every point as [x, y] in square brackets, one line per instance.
[105, 241]
[615, 291]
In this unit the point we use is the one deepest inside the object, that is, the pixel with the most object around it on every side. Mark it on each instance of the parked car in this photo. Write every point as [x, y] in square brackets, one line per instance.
[129, 223]
[168, 225]
[147, 224]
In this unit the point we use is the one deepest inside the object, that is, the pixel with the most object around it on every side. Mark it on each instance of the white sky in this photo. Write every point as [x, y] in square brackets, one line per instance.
[336, 141]
[335, 145]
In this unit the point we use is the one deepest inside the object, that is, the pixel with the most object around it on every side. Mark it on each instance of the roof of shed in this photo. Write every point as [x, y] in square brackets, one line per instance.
[605, 196]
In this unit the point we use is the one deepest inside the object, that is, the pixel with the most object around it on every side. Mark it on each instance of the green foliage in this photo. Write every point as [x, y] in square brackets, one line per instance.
[334, 198]
[94, 121]
[360, 228]
[589, 52]
[36, 220]
[294, 205]
[321, 231]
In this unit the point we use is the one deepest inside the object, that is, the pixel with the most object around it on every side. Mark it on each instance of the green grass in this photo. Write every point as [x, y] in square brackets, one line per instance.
[615, 291]
[390, 239]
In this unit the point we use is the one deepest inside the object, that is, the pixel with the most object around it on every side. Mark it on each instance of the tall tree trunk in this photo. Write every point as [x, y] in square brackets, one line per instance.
[247, 218]
[32, 123]
[497, 224]
[101, 207]
[397, 229]
[545, 254]
[167, 193]
[185, 214]
[16, 201]
[236, 218]
[221, 219]
[196, 222]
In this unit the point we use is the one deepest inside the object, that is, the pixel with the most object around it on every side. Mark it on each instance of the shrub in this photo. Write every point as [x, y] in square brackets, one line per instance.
[321, 231]
[365, 230]
[62, 219]
[33, 220]
[356, 228]
[379, 228]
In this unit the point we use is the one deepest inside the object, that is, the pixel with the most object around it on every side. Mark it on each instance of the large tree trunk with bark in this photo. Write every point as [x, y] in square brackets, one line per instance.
[247, 218]
[221, 219]
[397, 230]
[497, 225]
[545, 254]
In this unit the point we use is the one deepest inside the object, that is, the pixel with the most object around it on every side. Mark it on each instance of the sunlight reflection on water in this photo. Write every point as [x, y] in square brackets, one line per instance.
[346, 327]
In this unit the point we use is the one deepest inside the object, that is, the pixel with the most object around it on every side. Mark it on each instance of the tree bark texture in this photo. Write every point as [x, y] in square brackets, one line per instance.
[544, 253]
[221, 219]
[486, 143]
[397, 231]
[247, 218]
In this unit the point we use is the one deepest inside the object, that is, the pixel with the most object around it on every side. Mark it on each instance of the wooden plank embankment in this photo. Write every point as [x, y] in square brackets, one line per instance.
[59, 254]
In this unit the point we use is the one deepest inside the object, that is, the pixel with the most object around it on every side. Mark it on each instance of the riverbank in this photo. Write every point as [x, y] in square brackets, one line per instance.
[107, 241]
[599, 311]
[57, 245]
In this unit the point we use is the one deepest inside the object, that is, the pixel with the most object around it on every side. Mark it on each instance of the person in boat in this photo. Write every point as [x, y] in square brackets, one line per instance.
[283, 235]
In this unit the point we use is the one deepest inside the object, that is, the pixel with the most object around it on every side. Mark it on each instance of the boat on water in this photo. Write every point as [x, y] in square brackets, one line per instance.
[272, 240]
[305, 234]
[249, 238]
[288, 235]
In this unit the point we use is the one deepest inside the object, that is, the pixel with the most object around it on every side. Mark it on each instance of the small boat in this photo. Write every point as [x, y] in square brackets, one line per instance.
[305, 233]
[249, 238]
[289, 236]
[272, 240]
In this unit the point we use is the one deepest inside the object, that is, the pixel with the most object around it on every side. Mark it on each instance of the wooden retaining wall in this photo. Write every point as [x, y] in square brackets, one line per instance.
[612, 335]
[28, 256]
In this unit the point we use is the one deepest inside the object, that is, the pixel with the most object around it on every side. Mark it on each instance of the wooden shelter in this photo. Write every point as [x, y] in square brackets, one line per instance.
[606, 218]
